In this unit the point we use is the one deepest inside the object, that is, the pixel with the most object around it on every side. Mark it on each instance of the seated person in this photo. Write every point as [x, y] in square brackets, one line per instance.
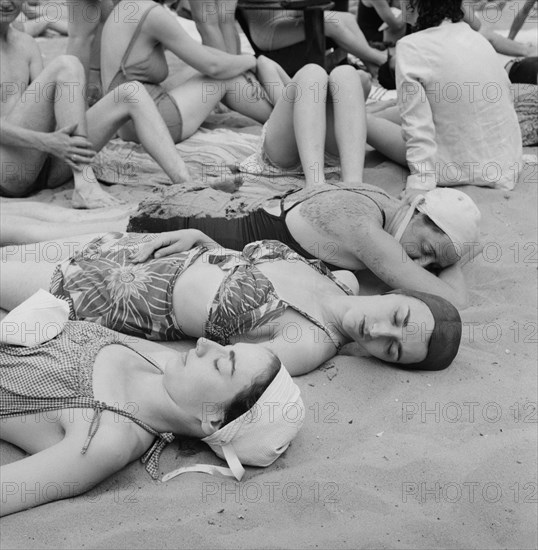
[133, 46]
[273, 29]
[96, 374]
[266, 294]
[39, 16]
[47, 137]
[454, 133]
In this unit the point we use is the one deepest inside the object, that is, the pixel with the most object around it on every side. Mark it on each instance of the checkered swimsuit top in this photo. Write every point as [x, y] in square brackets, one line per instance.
[102, 285]
[59, 375]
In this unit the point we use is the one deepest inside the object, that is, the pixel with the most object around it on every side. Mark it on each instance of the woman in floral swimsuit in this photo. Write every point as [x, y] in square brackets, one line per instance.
[264, 294]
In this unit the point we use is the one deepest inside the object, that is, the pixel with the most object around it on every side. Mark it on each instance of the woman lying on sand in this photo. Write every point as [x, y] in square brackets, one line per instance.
[59, 402]
[46, 137]
[265, 294]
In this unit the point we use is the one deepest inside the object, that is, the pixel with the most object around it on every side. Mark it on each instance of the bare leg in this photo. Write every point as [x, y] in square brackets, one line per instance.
[297, 127]
[131, 101]
[52, 99]
[386, 137]
[349, 121]
[27, 268]
[197, 97]
[16, 230]
[520, 18]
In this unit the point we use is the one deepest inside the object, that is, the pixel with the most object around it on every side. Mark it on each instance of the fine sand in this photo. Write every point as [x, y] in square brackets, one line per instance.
[386, 458]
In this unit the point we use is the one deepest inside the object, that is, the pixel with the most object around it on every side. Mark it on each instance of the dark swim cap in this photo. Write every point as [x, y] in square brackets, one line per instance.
[386, 76]
[446, 335]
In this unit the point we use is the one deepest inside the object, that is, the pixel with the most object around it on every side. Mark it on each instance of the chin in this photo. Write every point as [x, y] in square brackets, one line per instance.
[7, 18]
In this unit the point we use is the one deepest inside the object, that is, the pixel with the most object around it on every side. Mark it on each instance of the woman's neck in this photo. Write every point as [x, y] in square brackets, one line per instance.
[154, 404]
[394, 215]
[336, 308]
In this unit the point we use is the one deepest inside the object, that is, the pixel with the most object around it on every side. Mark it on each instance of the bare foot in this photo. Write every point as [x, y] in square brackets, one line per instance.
[228, 184]
[94, 197]
[182, 175]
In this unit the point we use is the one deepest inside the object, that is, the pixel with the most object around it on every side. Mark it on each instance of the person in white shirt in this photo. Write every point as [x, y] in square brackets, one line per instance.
[458, 123]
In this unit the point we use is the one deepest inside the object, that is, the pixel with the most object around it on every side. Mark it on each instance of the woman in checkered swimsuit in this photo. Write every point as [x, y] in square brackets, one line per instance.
[61, 402]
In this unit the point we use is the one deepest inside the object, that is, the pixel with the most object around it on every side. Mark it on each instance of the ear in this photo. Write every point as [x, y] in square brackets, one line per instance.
[210, 426]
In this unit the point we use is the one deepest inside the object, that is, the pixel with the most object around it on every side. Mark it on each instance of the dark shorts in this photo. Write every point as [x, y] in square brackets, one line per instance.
[168, 109]
[39, 183]
[524, 71]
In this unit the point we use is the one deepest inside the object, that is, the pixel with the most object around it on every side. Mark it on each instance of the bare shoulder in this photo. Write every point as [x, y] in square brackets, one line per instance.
[22, 39]
[26, 44]
[116, 442]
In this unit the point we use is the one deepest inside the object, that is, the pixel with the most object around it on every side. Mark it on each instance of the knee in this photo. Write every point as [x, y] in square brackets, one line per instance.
[343, 72]
[312, 71]
[68, 64]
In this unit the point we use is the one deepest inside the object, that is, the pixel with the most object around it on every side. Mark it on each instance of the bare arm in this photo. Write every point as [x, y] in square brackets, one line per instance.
[387, 259]
[215, 63]
[382, 8]
[61, 471]
[171, 242]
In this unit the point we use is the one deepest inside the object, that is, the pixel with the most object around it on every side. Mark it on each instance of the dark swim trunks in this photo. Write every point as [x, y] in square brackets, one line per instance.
[39, 183]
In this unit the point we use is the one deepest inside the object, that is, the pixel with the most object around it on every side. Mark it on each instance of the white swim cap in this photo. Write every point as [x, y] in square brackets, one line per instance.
[454, 212]
[259, 436]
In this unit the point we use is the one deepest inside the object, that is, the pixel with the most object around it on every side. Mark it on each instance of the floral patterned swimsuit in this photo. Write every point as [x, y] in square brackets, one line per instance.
[102, 285]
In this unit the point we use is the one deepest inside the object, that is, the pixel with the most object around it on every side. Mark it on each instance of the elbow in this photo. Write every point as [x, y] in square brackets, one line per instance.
[213, 69]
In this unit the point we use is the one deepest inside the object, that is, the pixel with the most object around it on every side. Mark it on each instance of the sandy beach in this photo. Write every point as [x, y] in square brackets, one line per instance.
[387, 458]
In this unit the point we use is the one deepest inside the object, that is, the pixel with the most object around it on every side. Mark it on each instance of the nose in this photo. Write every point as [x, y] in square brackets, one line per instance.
[203, 346]
[384, 330]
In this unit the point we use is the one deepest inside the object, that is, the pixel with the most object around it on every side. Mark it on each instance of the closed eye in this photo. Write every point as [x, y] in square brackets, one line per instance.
[406, 320]
[216, 365]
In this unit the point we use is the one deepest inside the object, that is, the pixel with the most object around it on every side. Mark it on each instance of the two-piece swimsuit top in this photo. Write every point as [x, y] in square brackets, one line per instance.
[102, 285]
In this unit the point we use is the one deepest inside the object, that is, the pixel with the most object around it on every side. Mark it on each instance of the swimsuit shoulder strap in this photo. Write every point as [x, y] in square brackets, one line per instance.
[135, 36]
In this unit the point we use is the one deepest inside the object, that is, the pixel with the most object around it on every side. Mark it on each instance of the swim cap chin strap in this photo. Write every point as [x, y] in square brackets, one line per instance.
[401, 220]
